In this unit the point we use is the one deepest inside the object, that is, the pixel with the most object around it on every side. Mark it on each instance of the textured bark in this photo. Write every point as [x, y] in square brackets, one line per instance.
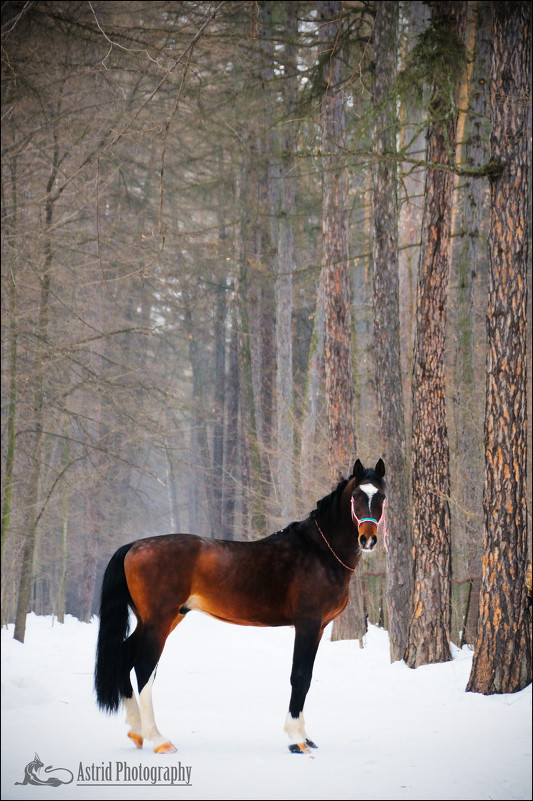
[502, 659]
[470, 277]
[335, 271]
[335, 279]
[389, 388]
[353, 623]
[429, 629]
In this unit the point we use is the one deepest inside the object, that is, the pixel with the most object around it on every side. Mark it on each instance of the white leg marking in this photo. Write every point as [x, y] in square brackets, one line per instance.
[133, 714]
[295, 728]
[149, 728]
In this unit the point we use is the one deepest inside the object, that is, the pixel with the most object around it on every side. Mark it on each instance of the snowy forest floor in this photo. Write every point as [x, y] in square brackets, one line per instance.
[221, 694]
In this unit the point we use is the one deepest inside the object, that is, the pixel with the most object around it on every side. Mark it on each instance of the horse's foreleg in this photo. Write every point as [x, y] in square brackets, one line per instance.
[145, 669]
[306, 641]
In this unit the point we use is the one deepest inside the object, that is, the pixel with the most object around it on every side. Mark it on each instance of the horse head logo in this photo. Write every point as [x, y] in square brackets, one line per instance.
[33, 768]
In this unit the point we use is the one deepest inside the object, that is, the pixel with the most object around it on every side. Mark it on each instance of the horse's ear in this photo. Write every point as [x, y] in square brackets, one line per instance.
[380, 468]
[357, 468]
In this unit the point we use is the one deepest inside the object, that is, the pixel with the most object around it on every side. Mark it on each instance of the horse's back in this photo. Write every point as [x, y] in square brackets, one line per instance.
[249, 583]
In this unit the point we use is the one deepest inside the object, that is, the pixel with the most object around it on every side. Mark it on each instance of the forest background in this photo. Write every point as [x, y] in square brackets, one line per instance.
[193, 313]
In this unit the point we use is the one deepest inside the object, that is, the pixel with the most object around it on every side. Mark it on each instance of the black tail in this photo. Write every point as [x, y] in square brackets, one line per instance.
[112, 670]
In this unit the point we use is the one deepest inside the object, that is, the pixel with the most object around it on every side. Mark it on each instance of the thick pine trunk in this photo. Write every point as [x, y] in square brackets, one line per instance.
[389, 387]
[429, 630]
[470, 278]
[336, 282]
[502, 659]
[335, 271]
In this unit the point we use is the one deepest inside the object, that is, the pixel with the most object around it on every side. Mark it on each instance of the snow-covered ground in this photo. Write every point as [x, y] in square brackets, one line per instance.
[221, 695]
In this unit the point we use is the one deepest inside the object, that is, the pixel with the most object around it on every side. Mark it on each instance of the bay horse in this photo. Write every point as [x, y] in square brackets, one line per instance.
[295, 577]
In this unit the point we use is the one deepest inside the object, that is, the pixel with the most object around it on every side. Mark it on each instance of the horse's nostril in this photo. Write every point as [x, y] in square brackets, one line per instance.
[367, 543]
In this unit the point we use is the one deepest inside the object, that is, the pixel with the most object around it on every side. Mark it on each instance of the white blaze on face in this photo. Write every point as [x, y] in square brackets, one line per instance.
[370, 490]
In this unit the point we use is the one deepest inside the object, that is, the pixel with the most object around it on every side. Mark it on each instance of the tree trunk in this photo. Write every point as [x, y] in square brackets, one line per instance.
[231, 435]
[31, 515]
[335, 270]
[94, 523]
[219, 403]
[429, 630]
[7, 483]
[200, 420]
[336, 281]
[470, 271]
[389, 386]
[173, 504]
[353, 623]
[30, 538]
[285, 268]
[313, 388]
[62, 576]
[502, 659]
[253, 476]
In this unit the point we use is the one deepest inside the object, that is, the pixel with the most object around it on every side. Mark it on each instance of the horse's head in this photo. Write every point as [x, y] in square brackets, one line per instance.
[368, 503]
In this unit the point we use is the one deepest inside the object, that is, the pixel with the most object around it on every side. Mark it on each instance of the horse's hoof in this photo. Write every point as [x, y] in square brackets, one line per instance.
[165, 748]
[137, 739]
[311, 744]
[298, 748]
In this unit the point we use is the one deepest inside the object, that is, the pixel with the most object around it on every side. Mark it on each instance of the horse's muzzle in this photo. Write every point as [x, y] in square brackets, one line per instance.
[368, 535]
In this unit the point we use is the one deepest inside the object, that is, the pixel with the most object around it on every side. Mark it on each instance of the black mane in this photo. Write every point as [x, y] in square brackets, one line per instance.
[324, 503]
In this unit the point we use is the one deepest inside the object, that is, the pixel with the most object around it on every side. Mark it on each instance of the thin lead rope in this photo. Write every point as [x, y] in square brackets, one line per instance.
[385, 531]
[351, 569]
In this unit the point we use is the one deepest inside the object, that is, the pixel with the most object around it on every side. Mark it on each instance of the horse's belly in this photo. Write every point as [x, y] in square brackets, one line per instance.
[243, 613]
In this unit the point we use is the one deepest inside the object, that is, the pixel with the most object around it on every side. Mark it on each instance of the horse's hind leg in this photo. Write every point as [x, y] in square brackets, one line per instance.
[306, 642]
[133, 719]
[151, 646]
[133, 713]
